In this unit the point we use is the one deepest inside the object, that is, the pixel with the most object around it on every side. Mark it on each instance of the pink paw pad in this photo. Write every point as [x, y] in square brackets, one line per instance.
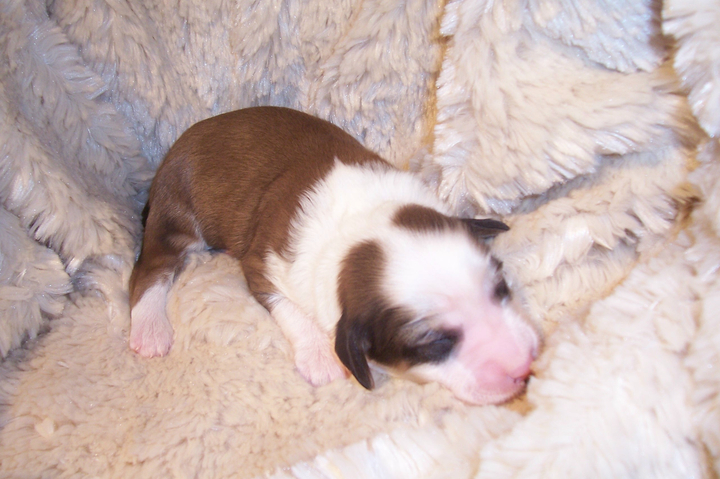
[151, 340]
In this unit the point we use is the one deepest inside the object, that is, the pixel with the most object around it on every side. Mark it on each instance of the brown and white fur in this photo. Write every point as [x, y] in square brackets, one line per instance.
[358, 262]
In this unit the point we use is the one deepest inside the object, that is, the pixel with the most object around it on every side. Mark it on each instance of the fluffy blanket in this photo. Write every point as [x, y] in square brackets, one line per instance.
[591, 127]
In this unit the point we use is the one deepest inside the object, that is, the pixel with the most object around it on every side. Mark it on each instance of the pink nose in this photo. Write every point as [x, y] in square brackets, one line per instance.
[496, 376]
[521, 372]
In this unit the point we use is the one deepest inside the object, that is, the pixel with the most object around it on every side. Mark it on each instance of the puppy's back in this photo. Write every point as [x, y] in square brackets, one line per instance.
[242, 173]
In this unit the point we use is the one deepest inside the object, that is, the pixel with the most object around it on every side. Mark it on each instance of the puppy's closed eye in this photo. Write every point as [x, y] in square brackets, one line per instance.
[434, 346]
[501, 291]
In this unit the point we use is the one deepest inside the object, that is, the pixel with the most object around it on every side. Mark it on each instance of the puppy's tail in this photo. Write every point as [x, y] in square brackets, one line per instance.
[145, 213]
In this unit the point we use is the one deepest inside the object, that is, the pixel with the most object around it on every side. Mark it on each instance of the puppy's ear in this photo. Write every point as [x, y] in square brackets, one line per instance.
[484, 228]
[351, 345]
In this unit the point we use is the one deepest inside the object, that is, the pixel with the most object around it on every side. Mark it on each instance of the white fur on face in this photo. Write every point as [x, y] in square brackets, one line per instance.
[426, 270]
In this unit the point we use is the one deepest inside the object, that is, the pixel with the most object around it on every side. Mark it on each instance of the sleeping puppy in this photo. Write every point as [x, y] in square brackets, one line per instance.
[359, 263]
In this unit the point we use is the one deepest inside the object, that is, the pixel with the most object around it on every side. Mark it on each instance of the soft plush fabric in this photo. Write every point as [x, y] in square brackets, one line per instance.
[590, 127]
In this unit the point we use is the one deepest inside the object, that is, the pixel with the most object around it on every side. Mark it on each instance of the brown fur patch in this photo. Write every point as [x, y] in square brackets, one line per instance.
[423, 219]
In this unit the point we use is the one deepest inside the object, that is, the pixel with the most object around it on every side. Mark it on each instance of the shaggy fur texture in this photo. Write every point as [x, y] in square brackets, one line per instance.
[577, 121]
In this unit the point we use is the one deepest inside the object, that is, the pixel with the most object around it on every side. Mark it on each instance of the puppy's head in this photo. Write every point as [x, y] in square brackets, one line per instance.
[430, 302]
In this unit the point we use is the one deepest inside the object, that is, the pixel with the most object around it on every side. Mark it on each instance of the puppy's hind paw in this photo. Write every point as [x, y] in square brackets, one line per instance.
[151, 340]
[151, 334]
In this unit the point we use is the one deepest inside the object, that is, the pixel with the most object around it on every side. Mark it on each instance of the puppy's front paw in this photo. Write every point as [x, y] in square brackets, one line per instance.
[318, 364]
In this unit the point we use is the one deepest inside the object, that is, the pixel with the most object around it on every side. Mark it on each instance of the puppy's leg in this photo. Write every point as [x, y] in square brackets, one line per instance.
[150, 331]
[315, 356]
[162, 256]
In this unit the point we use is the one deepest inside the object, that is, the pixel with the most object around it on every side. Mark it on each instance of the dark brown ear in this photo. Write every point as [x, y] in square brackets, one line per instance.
[351, 346]
[485, 228]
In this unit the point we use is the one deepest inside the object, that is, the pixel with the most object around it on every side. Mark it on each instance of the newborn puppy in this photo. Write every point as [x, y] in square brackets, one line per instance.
[356, 260]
